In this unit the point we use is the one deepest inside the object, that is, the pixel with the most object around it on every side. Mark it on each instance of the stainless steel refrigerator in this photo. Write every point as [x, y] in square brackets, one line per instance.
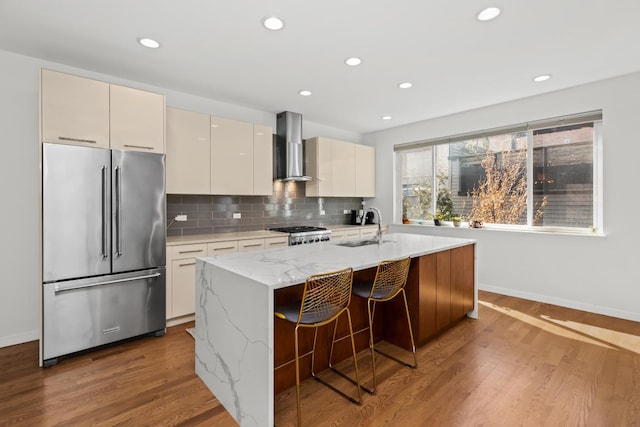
[104, 240]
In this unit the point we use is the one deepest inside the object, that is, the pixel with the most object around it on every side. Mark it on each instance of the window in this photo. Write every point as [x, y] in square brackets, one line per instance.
[535, 175]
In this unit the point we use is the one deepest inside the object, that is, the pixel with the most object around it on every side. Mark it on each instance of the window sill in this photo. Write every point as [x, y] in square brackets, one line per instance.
[563, 231]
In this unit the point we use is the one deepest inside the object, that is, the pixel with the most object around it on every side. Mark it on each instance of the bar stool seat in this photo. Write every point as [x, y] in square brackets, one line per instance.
[325, 298]
[391, 277]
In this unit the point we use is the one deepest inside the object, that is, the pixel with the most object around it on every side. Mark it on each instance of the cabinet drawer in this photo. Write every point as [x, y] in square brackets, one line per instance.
[250, 245]
[189, 251]
[337, 235]
[219, 248]
[276, 242]
[368, 232]
[351, 234]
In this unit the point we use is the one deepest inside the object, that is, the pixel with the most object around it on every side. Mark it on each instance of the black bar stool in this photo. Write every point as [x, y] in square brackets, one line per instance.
[391, 277]
[325, 297]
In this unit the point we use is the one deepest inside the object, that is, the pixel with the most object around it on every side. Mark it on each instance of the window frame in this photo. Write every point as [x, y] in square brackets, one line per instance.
[594, 117]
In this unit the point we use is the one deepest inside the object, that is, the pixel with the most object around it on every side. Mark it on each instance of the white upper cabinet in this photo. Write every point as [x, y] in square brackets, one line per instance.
[231, 156]
[262, 160]
[343, 169]
[188, 152]
[343, 161]
[80, 111]
[137, 120]
[74, 110]
[318, 164]
[365, 170]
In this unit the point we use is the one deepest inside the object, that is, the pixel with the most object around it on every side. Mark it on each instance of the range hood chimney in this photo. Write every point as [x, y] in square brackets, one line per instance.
[289, 162]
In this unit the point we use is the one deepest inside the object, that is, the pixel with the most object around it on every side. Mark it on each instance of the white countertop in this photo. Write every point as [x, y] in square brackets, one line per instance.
[246, 235]
[281, 267]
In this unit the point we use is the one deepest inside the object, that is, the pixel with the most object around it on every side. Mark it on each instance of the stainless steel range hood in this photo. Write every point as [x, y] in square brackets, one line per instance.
[289, 152]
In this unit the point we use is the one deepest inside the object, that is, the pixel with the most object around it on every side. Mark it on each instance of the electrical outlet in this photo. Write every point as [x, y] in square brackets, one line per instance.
[322, 212]
[346, 211]
[237, 215]
[181, 217]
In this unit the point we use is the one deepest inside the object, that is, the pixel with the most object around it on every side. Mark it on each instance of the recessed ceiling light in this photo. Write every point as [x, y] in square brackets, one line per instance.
[147, 42]
[405, 85]
[305, 92]
[353, 61]
[273, 23]
[488, 14]
[386, 117]
[542, 78]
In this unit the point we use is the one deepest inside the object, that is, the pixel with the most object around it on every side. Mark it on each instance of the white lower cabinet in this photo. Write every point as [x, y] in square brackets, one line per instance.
[181, 279]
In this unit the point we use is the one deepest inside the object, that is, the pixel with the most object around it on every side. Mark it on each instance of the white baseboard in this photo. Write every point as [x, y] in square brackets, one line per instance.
[591, 308]
[180, 320]
[10, 340]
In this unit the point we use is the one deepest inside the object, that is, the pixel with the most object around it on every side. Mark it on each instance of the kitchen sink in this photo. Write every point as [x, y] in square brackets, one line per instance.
[358, 243]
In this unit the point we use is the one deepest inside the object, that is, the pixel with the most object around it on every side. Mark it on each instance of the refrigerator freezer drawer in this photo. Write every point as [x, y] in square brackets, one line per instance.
[81, 314]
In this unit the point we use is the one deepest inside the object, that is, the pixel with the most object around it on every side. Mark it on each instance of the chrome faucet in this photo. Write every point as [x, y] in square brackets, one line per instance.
[379, 232]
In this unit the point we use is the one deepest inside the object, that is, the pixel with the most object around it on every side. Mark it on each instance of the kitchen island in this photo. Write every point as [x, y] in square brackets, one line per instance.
[236, 345]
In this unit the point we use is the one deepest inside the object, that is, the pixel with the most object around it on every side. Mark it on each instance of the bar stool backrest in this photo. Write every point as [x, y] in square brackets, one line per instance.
[391, 276]
[325, 296]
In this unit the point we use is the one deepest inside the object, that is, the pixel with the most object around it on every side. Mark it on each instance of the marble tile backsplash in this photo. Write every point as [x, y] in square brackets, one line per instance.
[286, 206]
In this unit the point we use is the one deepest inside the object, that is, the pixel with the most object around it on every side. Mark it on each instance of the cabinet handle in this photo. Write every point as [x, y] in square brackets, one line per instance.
[253, 245]
[184, 265]
[225, 248]
[191, 251]
[138, 146]
[66, 138]
[277, 243]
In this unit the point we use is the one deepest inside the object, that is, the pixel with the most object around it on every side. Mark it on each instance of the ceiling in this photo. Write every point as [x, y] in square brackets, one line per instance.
[220, 50]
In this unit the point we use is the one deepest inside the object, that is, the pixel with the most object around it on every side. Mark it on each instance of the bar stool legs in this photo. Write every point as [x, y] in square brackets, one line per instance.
[371, 308]
[325, 298]
[390, 279]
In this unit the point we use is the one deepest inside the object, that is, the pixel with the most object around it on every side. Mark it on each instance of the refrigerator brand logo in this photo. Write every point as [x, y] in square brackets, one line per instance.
[111, 330]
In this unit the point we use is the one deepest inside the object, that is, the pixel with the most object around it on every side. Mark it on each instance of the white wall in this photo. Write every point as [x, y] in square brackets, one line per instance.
[19, 235]
[598, 274]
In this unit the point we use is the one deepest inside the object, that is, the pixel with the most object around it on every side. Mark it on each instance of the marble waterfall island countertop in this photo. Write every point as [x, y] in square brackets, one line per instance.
[282, 267]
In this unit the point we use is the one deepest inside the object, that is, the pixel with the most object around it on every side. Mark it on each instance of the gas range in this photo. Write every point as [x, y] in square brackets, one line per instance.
[302, 235]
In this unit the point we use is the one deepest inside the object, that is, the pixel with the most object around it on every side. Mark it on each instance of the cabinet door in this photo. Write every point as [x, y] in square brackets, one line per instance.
[231, 156]
[183, 282]
[365, 167]
[188, 152]
[262, 160]
[137, 119]
[318, 162]
[343, 158]
[462, 278]
[74, 110]
[443, 290]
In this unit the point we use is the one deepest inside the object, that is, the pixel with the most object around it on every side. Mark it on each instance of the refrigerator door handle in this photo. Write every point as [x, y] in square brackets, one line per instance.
[118, 177]
[58, 288]
[105, 211]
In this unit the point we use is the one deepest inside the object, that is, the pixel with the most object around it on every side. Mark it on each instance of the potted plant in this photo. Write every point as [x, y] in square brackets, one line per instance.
[457, 220]
[438, 218]
[405, 207]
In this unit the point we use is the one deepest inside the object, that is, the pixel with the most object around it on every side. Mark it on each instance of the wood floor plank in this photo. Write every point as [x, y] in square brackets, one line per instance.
[521, 363]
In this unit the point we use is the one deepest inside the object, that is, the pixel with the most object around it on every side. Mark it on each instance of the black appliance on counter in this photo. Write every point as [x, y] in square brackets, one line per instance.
[357, 219]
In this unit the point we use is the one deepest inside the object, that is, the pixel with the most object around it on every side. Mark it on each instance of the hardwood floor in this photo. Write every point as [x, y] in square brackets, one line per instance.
[520, 363]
